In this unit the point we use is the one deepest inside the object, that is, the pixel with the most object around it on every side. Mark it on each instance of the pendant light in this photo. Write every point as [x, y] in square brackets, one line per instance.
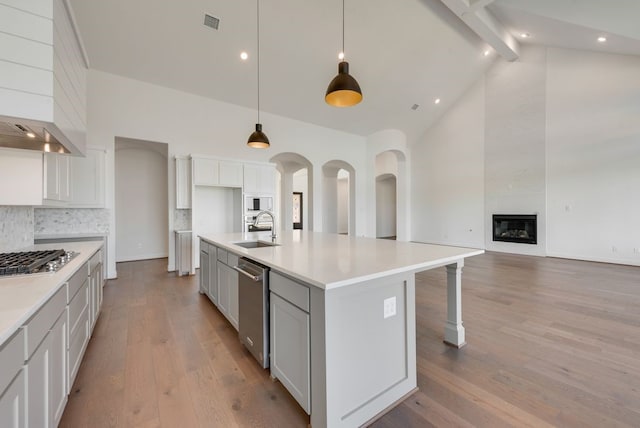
[343, 91]
[258, 139]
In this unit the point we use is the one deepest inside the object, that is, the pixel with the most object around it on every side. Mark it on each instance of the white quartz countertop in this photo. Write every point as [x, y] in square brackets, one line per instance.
[22, 295]
[330, 260]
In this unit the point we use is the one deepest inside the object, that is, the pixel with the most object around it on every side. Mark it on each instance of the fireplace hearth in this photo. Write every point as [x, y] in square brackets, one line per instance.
[518, 228]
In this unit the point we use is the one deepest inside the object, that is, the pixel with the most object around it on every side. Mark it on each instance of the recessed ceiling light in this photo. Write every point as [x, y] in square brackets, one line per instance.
[437, 101]
[525, 35]
[602, 39]
[487, 52]
[341, 55]
[244, 56]
[31, 135]
[415, 107]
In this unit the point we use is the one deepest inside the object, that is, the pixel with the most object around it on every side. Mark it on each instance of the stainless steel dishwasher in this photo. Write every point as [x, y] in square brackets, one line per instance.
[253, 296]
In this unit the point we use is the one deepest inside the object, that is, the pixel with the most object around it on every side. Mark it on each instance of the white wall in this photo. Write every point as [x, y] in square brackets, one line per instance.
[447, 199]
[386, 224]
[557, 133]
[141, 201]
[593, 156]
[514, 146]
[191, 124]
[343, 203]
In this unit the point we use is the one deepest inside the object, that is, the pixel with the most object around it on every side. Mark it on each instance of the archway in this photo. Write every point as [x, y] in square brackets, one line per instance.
[339, 188]
[392, 163]
[296, 175]
[386, 206]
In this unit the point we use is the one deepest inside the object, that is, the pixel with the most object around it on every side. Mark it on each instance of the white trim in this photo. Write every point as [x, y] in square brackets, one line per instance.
[594, 259]
[145, 257]
[76, 31]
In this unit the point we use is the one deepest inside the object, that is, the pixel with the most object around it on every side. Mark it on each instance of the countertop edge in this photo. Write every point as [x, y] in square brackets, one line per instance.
[9, 331]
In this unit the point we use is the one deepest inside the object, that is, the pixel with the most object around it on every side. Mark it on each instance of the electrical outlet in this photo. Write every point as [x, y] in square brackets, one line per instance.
[614, 249]
[390, 307]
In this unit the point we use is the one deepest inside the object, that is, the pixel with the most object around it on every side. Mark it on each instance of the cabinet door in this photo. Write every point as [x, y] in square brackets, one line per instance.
[12, 403]
[213, 276]
[234, 309]
[223, 288]
[251, 175]
[38, 369]
[58, 370]
[183, 183]
[289, 348]
[204, 271]
[51, 183]
[205, 172]
[88, 179]
[230, 174]
[268, 179]
[23, 169]
[64, 177]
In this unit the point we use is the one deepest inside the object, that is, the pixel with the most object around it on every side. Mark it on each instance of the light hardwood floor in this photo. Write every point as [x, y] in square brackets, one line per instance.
[551, 342]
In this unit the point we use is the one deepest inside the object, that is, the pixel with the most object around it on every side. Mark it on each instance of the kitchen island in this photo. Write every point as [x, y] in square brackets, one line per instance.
[351, 302]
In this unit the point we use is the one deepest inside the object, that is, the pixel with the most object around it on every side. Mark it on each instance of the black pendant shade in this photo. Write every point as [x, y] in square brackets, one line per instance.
[258, 140]
[343, 91]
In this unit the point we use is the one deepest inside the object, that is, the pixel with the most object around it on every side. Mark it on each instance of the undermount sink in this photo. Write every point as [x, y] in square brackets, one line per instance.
[255, 244]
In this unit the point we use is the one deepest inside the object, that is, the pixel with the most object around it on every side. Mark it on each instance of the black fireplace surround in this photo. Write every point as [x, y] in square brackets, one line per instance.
[519, 228]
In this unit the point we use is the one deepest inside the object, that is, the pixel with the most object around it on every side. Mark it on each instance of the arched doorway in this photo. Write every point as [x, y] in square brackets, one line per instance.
[386, 203]
[338, 197]
[296, 175]
[391, 195]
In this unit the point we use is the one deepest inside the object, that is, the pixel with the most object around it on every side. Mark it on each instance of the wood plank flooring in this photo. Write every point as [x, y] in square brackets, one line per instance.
[551, 342]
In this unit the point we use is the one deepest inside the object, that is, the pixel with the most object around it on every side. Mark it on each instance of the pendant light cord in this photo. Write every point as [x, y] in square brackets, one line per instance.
[258, 54]
[343, 54]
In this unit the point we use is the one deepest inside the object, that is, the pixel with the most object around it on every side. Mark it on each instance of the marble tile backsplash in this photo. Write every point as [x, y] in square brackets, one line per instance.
[16, 228]
[50, 221]
[182, 220]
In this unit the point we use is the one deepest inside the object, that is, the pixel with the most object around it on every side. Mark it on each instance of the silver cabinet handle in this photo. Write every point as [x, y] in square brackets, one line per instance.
[247, 274]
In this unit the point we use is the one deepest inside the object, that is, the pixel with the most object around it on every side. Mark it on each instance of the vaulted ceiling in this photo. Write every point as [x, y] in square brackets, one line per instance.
[401, 52]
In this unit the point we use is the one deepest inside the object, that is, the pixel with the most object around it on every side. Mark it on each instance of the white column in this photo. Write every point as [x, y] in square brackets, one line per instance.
[454, 331]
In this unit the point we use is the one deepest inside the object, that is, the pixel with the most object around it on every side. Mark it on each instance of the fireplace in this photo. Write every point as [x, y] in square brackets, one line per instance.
[519, 228]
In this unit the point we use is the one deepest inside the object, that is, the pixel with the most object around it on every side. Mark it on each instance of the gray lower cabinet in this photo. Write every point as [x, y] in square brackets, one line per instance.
[228, 293]
[289, 337]
[13, 389]
[204, 267]
[213, 276]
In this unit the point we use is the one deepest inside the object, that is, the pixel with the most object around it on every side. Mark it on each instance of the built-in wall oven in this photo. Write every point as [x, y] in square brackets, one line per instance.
[253, 296]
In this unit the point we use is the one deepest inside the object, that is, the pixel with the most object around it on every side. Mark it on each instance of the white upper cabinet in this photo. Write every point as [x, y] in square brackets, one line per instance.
[230, 174]
[56, 172]
[216, 172]
[259, 179]
[183, 183]
[205, 172]
[43, 70]
[23, 169]
[88, 179]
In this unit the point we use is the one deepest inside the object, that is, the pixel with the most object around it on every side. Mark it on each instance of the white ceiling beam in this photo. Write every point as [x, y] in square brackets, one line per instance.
[485, 25]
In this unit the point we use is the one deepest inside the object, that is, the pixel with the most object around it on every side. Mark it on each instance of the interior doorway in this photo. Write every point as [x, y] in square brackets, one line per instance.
[338, 204]
[141, 200]
[386, 202]
[298, 211]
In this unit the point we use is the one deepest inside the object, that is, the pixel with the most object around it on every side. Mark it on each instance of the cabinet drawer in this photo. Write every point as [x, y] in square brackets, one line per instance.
[12, 358]
[77, 341]
[76, 281]
[232, 260]
[290, 290]
[38, 326]
[95, 261]
[222, 255]
[78, 305]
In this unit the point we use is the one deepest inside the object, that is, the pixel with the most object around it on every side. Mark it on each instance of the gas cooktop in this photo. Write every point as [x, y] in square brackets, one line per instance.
[28, 262]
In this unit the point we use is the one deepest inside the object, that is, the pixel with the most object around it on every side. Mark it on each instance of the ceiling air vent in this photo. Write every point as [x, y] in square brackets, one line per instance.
[415, 107]
[211, 21]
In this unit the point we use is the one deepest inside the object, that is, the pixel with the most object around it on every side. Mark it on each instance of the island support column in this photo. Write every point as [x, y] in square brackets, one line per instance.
[454, 331]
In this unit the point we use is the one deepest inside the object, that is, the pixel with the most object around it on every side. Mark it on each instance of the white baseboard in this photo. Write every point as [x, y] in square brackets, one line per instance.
[595, 259]
[148, 256]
